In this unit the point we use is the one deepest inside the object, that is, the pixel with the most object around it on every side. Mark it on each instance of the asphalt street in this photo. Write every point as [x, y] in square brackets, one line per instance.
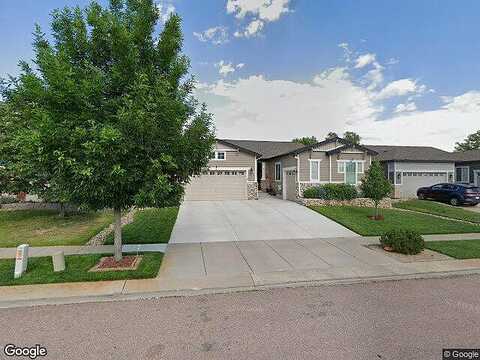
[411, 319]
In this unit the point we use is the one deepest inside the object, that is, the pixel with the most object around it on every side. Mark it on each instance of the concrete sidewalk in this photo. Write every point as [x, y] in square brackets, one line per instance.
[9, 253]
[232, 266]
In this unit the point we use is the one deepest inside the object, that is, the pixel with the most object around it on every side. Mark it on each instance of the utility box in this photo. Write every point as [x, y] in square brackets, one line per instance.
[58, 260]
[21, 260]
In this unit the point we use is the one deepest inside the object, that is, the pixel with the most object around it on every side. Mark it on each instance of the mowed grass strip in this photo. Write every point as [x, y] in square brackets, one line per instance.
[458, 249]
[40, 270]
[436, 208]
[149, 226]
[47, 228]
[356, 219]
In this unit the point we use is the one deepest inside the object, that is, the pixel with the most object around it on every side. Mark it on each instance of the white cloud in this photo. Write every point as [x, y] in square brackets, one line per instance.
[338, 99]
[466, 103]
[225, 68]
[256, 107]
[440, 127]
[217, 35]
[258, 13]
[165, 9]
[252, 29]
[268, 10]
[410, 106]
[400, 88]
[364, 60]
[392, 61]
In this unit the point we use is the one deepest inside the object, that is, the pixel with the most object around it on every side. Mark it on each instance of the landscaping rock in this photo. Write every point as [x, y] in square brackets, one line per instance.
[101, 237]
[360, 202]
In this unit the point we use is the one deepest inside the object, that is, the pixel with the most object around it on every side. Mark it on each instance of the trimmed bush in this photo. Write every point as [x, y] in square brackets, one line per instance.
[331, 192]
[403, 241]
[339, 192]
[311, 193]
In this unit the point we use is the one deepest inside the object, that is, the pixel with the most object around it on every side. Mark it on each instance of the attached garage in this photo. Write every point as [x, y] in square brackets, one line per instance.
[412, 181]
[408, 177]
[217, 185]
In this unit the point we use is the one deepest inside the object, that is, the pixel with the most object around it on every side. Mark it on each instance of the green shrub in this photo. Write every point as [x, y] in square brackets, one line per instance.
[403, 241]
[311, 193]
[339, 192]
[8, 199]
[331, 192]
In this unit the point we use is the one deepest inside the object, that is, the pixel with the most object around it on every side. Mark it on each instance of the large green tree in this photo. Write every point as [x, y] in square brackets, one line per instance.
[352, 137]
[106, 116]
[472, 142]
[306, 140]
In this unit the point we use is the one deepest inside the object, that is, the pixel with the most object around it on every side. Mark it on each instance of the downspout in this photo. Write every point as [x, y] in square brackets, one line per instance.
[330, 169]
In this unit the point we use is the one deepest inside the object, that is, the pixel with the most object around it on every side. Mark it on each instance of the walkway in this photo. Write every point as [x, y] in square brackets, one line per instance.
[8, 253]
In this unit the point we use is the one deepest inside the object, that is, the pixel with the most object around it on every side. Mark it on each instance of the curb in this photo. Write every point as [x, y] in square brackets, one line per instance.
[229, 290]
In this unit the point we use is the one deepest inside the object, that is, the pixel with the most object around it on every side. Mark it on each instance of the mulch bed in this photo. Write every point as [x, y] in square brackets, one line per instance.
[425, 255]
[109, 263]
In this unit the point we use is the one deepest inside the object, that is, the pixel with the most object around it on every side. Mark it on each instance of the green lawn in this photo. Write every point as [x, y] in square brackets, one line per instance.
[458, 249]
[149, 226]
[356, 219]
[46, 228]
[40, 270]
[436, 208]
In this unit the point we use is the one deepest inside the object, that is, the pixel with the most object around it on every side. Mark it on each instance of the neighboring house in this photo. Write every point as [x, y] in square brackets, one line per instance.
[411, 167]
[467, 167]
[238, 168]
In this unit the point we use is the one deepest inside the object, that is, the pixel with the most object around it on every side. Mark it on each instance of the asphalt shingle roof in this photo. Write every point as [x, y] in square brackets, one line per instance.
[267, 149]
[470, 155]
[410, 153]
[271, 149]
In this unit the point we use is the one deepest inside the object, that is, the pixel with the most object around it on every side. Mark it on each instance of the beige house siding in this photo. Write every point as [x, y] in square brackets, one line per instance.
[325, 165]
[285, 161]
[234, 158]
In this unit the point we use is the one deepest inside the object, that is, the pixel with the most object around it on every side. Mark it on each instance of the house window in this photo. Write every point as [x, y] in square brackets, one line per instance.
[398, 178]
[463, 174]
[360, 167]
[278, 171]
[218, 155]
[341, 167]
[314, 170]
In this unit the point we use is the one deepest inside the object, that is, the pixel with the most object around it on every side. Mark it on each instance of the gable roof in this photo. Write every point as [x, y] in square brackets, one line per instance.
[349, 146]
[465, 156]
[410, 153]
[267, 149]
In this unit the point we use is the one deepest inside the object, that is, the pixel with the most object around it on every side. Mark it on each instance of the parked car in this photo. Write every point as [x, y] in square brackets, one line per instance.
[454, 194]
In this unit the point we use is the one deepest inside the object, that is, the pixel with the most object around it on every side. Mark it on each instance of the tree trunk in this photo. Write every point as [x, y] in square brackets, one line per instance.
[118, 234]
[376, 210]
[62, 210]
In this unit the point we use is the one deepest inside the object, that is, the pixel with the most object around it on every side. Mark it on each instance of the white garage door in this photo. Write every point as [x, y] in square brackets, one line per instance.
[222, 185]
[414, 180]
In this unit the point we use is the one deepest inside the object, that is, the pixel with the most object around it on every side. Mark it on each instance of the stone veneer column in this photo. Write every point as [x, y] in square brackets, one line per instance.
[252, 190]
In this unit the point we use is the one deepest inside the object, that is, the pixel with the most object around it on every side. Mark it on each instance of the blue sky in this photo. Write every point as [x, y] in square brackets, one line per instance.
[396, 72]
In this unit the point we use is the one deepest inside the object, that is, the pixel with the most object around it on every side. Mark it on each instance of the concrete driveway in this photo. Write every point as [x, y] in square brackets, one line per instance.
[265, 219]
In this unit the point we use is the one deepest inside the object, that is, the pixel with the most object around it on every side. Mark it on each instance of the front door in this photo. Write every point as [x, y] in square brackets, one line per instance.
[351, 173]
